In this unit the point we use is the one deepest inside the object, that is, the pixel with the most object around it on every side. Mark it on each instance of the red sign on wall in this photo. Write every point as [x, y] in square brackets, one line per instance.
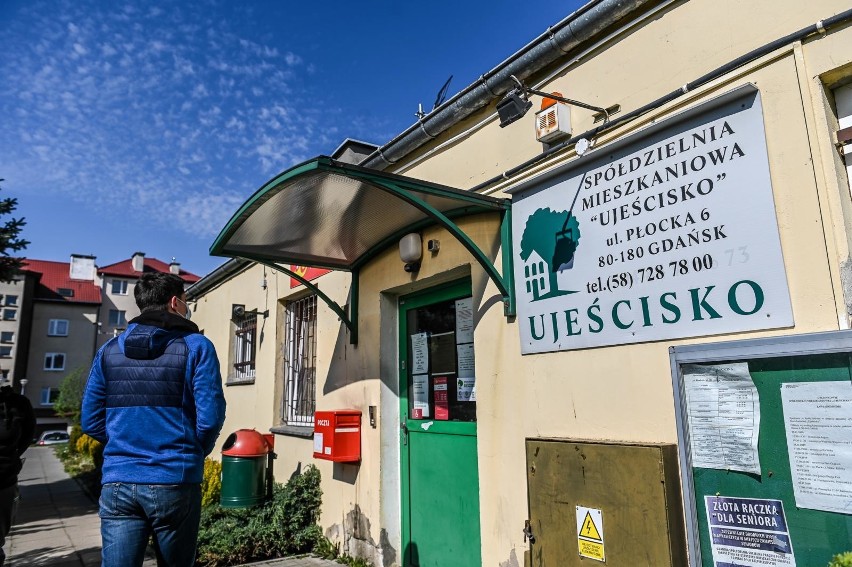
[307, 273]
[442, 409]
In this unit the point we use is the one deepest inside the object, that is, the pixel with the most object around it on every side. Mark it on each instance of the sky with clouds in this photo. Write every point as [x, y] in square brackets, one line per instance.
[143, 126]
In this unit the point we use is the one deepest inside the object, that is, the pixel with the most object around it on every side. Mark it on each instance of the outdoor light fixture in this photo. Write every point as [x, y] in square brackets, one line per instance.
[516, 103]
[410, 251]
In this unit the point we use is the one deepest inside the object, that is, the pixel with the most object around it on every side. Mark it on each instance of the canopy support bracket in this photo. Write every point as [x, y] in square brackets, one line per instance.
[504, 283]
[350, 320]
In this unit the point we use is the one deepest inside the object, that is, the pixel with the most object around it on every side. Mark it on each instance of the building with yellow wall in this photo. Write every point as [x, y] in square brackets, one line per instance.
[702, 201]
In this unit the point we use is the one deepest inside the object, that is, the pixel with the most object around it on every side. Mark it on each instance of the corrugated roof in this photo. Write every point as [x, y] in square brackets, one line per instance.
[125, 269]
[56, 280]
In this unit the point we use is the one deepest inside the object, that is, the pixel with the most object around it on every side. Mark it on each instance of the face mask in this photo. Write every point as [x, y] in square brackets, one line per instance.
[188, 314]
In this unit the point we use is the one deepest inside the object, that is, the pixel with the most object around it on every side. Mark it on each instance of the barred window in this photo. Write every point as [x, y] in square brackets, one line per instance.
[245, 335]
[300, 362]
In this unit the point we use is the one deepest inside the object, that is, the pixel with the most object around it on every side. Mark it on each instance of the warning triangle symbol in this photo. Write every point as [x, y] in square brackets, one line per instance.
[589, 529]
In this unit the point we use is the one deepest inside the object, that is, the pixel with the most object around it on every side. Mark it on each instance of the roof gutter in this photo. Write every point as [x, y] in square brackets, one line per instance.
[576, 29]
[219, 275]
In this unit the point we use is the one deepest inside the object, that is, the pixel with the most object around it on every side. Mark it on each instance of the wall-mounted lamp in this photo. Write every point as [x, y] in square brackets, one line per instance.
[410, 251]
[239, 312]
[516, 103]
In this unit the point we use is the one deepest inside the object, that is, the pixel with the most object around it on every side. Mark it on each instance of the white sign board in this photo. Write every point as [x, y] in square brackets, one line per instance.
[671, 233]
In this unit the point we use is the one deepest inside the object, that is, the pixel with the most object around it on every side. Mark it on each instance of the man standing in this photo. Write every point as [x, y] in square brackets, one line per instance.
[17, 424]
[154, 398]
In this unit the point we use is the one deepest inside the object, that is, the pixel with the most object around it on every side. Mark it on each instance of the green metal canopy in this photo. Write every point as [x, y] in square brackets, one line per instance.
[327, 214]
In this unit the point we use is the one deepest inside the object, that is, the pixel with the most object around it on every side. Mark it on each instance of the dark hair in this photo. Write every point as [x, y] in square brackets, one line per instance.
[154, 290]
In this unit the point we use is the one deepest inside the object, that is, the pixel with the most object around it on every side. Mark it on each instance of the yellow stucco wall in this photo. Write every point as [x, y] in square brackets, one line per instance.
[614, 393]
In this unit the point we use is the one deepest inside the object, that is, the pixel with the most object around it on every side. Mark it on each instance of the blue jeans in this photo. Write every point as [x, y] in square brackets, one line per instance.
[131, 513]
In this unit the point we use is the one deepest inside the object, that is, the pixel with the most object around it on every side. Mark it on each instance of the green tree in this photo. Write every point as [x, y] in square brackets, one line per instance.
[70, 401]
[554, 236]
[10, 240]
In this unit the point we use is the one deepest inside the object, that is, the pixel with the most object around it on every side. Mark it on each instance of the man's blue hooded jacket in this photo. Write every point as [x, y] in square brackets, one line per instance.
[154, 398]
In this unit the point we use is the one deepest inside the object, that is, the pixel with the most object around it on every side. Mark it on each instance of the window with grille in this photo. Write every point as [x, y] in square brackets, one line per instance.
[300, 362]
[245, 335]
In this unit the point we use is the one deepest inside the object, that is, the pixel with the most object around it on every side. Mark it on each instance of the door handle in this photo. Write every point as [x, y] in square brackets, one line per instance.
[528, 533]
[404, 428]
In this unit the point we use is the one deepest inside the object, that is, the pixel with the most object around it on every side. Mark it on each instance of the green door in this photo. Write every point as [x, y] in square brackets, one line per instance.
[440, 476]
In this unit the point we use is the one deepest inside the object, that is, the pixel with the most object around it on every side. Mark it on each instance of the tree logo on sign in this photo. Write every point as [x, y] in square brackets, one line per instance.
[548, 246]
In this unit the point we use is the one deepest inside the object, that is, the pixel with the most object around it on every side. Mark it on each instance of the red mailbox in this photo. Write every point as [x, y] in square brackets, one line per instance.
[337, 436]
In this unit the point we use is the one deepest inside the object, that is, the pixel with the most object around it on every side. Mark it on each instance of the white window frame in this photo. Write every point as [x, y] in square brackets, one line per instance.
[11, 340]
[54, 327]
[299, 403]
[123, 285]
[45, 399]
[51, 365]
[121, 318]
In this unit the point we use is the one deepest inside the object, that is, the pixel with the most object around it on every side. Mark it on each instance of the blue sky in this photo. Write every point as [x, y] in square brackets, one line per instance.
[144, 125]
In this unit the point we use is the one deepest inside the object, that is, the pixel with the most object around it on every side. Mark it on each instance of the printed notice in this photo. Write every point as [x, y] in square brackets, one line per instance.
[748, 532]
[420, 353]
[466, 391]
[442, 408]
[818, 420]
[723, 411]
[420, 396]
[464, 320]
[465, 359]
[318, 442]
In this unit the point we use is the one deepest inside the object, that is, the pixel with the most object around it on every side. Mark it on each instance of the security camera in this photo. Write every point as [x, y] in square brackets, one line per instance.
[433, 245]
[238, 311]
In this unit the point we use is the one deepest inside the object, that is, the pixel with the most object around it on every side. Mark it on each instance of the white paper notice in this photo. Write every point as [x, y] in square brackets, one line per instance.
[723, 410]
[420, 353]
[466, 389]
[466, 365]
[818, 420]
[420, 396]
[318, 442]
[464, 320]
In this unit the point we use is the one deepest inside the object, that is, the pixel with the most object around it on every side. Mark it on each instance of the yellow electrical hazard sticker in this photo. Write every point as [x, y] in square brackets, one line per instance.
[590, 534]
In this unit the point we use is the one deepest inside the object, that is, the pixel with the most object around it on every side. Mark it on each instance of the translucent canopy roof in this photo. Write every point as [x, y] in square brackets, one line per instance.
[328, 214]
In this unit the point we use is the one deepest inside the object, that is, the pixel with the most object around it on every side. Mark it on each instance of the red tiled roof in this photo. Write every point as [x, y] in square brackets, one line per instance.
[56, 276]
[125, 268]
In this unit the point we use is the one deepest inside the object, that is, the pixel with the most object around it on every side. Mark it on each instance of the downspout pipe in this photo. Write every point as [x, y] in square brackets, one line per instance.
[821, 27]
[577, 28]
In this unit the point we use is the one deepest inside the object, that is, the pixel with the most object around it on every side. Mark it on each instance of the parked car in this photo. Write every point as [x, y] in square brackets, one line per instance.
[53, 437]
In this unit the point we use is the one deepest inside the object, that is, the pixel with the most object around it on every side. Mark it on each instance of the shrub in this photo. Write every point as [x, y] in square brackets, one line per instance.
[76, 433]
[211, 485]
[70, 398]
[841, 560]
[285, 525]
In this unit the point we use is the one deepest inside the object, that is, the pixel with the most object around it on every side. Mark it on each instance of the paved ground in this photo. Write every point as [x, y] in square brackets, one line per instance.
[58, 526]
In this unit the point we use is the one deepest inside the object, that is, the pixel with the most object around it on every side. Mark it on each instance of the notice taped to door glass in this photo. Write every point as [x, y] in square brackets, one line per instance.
[464, 320]
[723, 410]
[420, 396]
[420, 353]
[818, 421]
[748, 532]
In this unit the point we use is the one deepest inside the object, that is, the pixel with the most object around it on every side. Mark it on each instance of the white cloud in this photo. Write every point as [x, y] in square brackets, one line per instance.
[118, 107]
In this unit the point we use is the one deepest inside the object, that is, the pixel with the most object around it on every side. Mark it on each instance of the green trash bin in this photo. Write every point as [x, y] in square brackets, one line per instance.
[246, 469]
